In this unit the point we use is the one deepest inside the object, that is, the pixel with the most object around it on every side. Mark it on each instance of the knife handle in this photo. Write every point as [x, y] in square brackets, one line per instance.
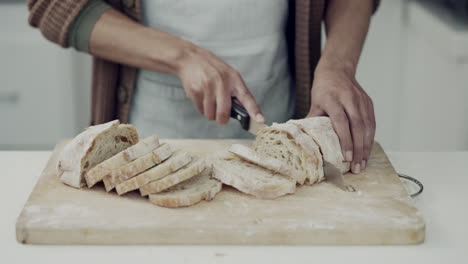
[239, 113]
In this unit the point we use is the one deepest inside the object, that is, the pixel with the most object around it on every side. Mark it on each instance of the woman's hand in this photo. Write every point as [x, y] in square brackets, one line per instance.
[210, 84]
[336, 93]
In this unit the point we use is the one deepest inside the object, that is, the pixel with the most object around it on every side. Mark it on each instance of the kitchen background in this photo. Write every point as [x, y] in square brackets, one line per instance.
[414, 66]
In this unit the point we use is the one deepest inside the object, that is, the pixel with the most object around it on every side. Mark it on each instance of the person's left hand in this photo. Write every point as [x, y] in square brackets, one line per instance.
[337, 94]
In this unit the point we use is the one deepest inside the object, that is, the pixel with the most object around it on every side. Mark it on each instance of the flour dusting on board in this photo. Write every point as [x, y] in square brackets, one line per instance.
[55, 216]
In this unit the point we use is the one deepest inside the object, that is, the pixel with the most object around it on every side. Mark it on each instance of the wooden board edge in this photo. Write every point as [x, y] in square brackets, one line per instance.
[134, 237]
[21, 221]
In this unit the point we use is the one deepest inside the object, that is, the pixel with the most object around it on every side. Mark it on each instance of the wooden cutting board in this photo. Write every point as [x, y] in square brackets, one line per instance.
[379, 212]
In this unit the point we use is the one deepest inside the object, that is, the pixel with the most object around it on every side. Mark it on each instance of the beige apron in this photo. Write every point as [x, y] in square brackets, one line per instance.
[247, 35]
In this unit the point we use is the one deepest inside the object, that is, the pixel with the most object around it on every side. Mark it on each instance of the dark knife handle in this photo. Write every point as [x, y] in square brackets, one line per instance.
[239, 113]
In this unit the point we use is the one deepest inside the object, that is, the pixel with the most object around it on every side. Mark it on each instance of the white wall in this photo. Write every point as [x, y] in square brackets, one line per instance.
[380, 71]
[44, 91]
[415, 67]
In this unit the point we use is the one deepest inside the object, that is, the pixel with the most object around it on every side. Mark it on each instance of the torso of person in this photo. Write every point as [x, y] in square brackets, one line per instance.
[247, 35]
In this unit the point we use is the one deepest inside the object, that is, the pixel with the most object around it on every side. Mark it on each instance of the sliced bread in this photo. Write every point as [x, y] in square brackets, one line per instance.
[250, 178]
[137, 166]
[143, 147]
[189, 192]
[261, 159]
[91, 147]
[321, 130]
[183, 174]
[178, 160]
[285, 143]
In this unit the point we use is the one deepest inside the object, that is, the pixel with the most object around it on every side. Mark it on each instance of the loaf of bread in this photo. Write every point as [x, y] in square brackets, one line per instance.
[320, 129]
[91, 147]
[286, 143]
[281, 156]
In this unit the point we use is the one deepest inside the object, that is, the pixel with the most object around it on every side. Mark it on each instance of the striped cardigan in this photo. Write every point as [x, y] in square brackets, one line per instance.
[113, 83]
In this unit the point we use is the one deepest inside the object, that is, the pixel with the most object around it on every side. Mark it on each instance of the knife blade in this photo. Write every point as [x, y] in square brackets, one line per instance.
[334, 176]
[239, 113]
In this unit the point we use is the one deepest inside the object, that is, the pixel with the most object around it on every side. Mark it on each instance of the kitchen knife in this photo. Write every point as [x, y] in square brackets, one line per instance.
[239, 113]
[334, 176]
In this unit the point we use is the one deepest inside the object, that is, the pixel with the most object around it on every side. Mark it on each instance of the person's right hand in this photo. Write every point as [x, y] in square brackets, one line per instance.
[210, 84]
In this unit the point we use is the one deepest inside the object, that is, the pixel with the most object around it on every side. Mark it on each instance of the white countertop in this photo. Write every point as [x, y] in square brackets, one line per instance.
[443, 204]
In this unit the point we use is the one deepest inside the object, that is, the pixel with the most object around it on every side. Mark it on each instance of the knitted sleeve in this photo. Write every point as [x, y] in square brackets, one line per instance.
[54, 17]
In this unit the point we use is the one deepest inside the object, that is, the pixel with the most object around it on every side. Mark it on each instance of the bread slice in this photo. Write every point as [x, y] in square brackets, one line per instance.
[91, 147]
[261, 159]
[189, 192]
[288, 144]
[315, 173]
[321, 130]
[178, 160]
[137, 166]
[143, 147]
[170, 180]
[250, 178]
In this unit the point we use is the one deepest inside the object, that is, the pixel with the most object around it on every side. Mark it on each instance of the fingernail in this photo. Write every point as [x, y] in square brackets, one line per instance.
[349, 156]
[259, 118]
[357, 168]
[363, 164]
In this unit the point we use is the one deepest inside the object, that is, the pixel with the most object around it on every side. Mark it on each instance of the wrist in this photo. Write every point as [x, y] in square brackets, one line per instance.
[169, 54]
[336, 63]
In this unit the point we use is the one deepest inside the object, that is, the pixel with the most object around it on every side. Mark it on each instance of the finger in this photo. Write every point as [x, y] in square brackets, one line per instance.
[247, 100]
[340, 124]
[369, 137]
[197, 99]
[367, 128]
[357, 133]
[209, 106]
[223, 107]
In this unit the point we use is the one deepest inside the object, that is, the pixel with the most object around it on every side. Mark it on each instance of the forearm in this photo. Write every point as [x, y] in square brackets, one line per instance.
[347, 23]
[118, 38]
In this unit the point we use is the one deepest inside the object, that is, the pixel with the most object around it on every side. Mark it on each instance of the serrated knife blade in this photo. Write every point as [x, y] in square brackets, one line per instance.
[333, 175]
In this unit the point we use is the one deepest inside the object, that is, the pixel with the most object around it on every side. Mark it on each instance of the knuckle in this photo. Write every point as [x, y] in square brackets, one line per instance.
[242, 92]
[348, 93]
[357, 122]
[340, 118]
[330, 98]
[355, 99]
[235, 74]
[196, 94]
[223, 118]
[215, 77]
